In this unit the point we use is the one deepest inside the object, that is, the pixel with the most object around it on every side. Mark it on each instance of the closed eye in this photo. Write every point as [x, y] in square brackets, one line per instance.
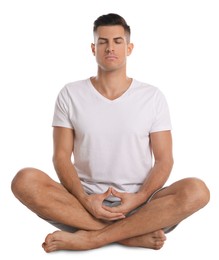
[119, 41]
[102, 41]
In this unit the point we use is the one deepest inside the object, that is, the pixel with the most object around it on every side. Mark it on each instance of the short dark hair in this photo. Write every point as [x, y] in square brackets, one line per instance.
[112, 19]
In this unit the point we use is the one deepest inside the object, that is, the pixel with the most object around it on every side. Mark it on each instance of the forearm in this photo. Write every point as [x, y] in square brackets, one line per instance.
[68, 177]
[161, 144]
[155, 180]
[93, 203]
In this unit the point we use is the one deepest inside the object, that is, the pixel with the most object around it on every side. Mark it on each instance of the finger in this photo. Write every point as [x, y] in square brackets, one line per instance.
[107, 193]
[118, 218]
[113, 216]
[116, 209]
[116, 193]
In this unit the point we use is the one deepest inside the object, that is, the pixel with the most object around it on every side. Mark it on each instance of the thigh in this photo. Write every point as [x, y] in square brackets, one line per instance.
[31, 178]
[30, 174]
[179, 187]
[35, 189]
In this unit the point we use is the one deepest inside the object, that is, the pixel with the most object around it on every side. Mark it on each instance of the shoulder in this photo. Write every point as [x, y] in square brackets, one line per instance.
[74, 87]
[146, 89]
[149, 93]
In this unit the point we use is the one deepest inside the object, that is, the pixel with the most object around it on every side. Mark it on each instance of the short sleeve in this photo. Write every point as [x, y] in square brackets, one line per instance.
[162, 121]
[61, 111]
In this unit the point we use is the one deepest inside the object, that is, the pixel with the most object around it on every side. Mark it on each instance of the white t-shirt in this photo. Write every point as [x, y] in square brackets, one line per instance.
[112, 146]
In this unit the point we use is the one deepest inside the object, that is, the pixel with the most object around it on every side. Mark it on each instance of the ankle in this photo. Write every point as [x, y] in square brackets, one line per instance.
[97, 239]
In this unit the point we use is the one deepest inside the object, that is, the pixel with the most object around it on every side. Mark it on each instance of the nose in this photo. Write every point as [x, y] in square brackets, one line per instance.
[109, 48]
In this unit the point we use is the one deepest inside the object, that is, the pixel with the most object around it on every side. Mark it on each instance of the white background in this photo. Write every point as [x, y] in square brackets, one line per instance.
[46, 44]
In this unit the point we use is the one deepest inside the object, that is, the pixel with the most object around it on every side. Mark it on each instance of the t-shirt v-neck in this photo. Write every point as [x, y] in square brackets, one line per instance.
[118, 99]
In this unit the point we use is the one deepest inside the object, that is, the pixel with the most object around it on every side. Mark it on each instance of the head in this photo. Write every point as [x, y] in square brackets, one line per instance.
[110, 20]
[111, 41]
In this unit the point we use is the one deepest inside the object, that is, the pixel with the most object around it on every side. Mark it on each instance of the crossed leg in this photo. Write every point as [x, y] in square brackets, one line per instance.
[81, 240]
[144, 228]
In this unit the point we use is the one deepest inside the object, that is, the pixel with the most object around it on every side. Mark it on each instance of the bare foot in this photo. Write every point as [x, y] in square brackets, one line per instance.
[61, 240]
[84, 240]
[154, 240]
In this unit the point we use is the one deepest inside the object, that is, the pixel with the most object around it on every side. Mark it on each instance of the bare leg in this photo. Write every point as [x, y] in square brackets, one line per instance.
[52, 201]
[172, 205]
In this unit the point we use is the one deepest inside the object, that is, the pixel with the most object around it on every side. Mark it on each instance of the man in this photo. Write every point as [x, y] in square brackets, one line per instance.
[110, 192]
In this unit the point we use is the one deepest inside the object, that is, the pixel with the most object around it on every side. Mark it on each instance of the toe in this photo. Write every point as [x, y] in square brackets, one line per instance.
[158, 244]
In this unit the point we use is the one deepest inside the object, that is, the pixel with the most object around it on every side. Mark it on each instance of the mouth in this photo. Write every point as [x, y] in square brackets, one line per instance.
[111, 57]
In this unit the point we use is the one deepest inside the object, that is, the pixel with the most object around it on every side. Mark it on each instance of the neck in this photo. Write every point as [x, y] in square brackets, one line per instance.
[111, 84]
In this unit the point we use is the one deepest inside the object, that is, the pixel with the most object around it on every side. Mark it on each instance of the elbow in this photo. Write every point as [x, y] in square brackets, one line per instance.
[169, 164]
[54, 160]
[166, 165]
[59, 159]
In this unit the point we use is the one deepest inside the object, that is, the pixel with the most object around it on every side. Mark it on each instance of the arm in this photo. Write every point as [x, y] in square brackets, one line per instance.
[161, 145]
[63, 143]
[63, 139]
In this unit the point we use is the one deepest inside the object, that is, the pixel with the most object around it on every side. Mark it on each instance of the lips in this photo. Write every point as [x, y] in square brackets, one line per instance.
[111, 57]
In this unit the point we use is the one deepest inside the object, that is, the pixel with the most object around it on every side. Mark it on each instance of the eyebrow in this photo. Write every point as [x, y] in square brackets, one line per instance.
[116, 38]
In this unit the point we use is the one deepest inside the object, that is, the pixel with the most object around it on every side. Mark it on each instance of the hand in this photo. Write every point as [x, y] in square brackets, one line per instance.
[129, 201]
[93, 204]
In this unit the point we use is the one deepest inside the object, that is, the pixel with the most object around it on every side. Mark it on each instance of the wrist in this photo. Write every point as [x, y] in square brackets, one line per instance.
[142, 196]
[85, 200]
[83, 197]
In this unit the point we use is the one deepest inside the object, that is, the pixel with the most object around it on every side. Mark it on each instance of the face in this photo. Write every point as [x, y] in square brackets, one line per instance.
[111, 47]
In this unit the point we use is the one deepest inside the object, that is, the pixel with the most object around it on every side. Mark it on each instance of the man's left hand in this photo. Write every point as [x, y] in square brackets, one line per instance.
[129, 201]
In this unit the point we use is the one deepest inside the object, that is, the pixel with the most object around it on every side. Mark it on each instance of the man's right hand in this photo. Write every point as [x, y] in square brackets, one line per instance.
[93, 204]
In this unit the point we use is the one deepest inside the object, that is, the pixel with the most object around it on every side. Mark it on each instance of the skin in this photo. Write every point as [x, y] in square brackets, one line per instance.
[67, 202]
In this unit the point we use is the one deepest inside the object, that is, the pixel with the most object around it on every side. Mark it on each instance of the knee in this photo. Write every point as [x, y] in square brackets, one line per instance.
[197, 193]
[22, 180]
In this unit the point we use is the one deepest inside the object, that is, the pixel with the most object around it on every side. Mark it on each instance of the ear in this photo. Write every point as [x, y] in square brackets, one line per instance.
[130, 48]
[93, 48]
